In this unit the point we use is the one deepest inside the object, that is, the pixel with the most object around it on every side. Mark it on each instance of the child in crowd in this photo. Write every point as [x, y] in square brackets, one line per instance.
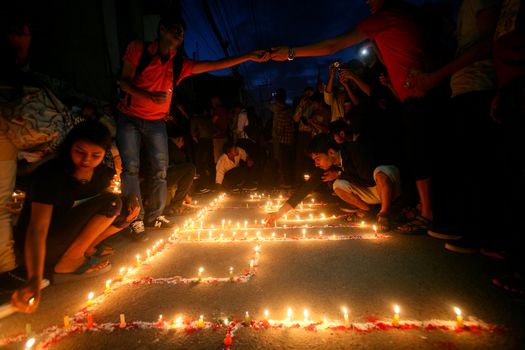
[68, 212]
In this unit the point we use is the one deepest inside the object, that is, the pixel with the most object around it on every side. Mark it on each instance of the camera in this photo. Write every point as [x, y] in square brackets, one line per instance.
[336, 65]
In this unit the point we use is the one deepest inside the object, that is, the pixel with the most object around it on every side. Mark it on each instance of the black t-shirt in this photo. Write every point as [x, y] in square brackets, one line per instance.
[53, 185]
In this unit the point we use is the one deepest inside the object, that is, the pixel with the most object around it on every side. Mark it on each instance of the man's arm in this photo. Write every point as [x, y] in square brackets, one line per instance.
[486, 22]
[127, 85]
[321, 48]
[206, 66]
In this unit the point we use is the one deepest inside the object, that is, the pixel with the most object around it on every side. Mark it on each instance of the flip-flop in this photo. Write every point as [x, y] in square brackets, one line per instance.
[80, 273]
[103, 250]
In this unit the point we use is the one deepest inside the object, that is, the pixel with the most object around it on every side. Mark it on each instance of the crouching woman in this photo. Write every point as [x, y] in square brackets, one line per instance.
[69, 211]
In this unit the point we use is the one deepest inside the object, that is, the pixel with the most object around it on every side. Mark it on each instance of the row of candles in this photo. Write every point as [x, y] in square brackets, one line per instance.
[179, 323]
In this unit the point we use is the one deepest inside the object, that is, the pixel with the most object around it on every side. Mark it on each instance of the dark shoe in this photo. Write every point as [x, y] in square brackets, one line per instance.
[383, 223]
[463, 246]
[161, 222]
[94, 266]
[446, 233]
[137, 231]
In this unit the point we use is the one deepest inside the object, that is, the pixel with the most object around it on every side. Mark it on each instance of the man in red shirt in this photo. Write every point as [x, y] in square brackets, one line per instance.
[147, 102]
[393, 27]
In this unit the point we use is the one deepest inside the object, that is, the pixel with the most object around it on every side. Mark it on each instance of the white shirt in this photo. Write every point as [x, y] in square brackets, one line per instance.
[224, 164]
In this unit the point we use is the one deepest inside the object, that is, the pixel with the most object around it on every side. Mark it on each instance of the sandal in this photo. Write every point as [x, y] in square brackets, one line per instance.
[383, 223]
[102, 250]
[357, 216]
[514, 283]
[419, 225]
[93, 266]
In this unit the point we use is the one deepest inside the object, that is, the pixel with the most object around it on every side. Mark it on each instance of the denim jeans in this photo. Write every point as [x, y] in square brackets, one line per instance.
[130, 132]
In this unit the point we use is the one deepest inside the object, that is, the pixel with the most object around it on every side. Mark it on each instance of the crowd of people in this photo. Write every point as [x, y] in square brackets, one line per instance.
[412, 139]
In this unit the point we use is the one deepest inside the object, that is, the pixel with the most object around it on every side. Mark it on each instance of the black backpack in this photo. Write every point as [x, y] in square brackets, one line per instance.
[145, 60]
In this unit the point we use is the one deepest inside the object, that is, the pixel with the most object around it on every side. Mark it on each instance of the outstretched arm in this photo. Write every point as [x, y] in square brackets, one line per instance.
[321, 48]
[35, 251]
[206, 66]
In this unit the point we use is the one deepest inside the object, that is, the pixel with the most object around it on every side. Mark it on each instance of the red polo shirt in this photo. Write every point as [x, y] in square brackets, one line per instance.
[400, 41]
[157, 76]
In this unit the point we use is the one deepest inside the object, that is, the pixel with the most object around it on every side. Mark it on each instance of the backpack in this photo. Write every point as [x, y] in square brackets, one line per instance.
[145, 60]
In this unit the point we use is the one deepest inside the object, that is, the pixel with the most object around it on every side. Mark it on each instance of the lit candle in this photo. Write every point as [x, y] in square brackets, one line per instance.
[245, 235]
[210, 234]
[284, 236]
[222, 223]
[321, 234]
[199, 275]
[229, 223]
[325, 322]
[395, 322]
[66, 322]
[459, 317]
[90, 299]
[304, 233]
[345, 316]
[221, 236]
[199, 236]
[251, 265]
[226, 321]
[178, 322]
[122, 272]
[245, 223]
[247, 319]
[200, 323]
[306, 314]
[374, 227]
[89, 323]
[108, 286]
[238, 224]
[148, 253]
[266, 314]
[273, 235]
[138, 259]
[29, 343]
[289, 314]
[122, 323]
[160, 321]
[231, 274]
[233, 235]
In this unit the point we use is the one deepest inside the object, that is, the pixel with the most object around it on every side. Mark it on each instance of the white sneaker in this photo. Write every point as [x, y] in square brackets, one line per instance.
[137, 231]
[161, 222]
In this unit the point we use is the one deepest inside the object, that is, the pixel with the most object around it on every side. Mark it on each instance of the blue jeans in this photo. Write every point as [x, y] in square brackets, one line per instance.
[130, 132]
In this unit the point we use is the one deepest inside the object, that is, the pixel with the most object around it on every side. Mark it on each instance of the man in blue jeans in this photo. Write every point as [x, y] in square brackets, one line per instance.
[148, 74]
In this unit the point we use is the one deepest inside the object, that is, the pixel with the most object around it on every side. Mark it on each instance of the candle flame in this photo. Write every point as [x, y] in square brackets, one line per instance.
[266, 313]
[457, 310]
[345, 311]
[31, 301]
[306, 314]
[91, 295]
[201, 269]
[108, 283]
[289, 313]
[396, 309]
[30, 342]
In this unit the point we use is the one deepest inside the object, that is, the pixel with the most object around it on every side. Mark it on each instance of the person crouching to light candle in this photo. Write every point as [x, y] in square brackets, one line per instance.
[234, 169]
[69, 212]
[354, 179]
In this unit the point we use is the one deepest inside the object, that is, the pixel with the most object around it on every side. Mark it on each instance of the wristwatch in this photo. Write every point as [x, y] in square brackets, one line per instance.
[291, 54]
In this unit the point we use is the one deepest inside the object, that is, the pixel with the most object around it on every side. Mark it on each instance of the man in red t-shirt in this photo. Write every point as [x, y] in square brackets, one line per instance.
[147, 103]
[393, 27]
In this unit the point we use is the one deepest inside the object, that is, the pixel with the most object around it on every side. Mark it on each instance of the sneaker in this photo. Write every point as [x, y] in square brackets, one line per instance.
[249, 187]
[161, 222]
[137, 231]
[463, 246]
[446, 233]
[348, 210]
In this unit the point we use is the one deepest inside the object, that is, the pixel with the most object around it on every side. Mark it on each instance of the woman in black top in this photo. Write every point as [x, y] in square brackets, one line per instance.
[68, 212]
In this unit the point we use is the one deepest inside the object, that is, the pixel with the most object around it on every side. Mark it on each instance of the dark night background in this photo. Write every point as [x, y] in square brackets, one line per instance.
[81, 42]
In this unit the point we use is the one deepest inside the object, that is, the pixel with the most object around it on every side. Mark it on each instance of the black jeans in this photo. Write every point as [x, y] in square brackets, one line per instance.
[180, 178]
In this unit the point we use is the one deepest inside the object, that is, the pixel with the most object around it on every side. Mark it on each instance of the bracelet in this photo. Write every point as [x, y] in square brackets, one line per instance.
[291, 54]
